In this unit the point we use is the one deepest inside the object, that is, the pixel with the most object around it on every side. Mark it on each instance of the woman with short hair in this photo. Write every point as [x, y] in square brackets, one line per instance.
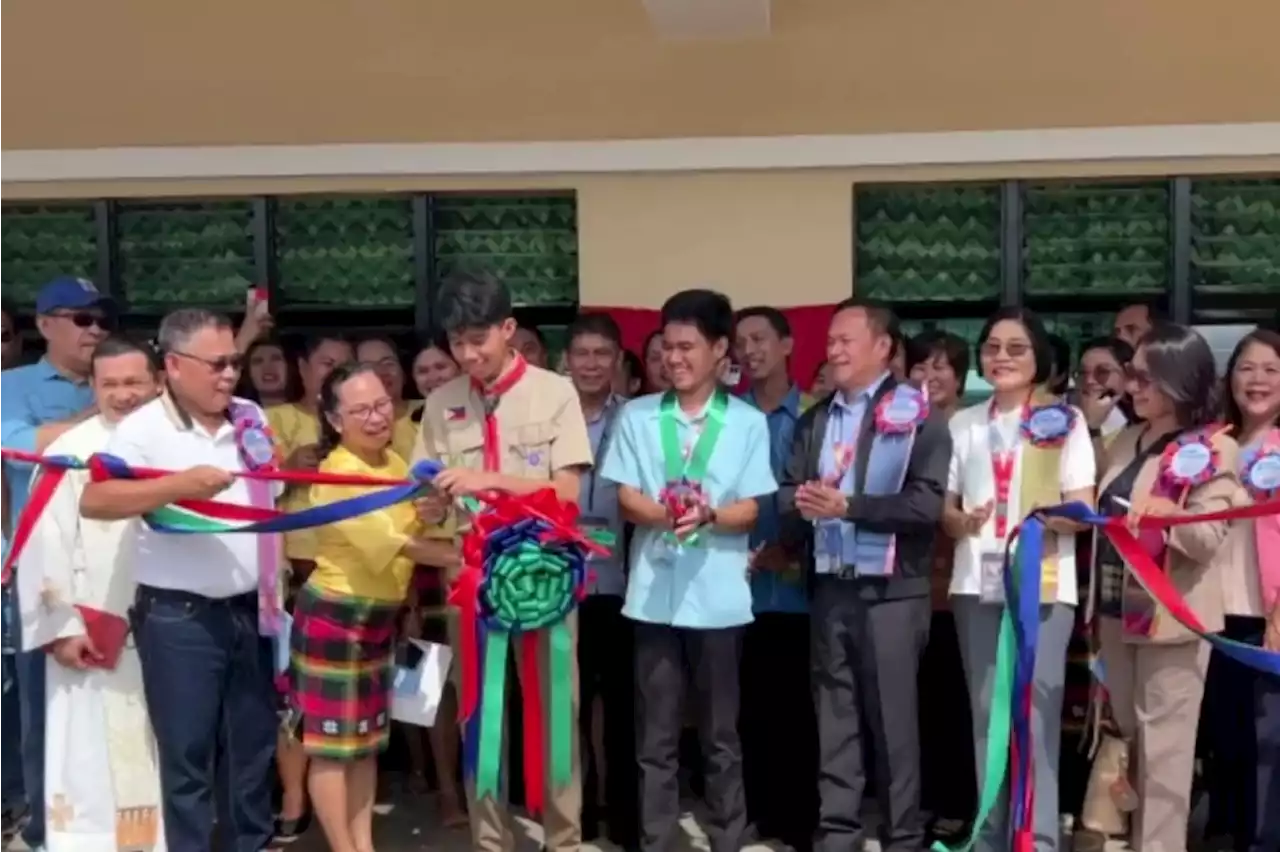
[1022, 449]
[1177, 461]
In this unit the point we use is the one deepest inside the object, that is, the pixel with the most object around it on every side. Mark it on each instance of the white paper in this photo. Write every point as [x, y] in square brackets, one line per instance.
[416, 693]
[281, 642]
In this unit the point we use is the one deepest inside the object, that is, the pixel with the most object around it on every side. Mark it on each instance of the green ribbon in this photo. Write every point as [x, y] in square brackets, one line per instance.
[999, 726]
[561, 711]
[493, 699]
[694, 468]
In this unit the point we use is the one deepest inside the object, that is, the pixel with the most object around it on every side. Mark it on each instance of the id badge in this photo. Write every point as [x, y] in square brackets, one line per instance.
[591, 524]
[992, 577]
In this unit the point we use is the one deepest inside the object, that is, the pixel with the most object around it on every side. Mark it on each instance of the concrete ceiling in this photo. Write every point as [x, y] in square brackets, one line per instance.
[709, 19]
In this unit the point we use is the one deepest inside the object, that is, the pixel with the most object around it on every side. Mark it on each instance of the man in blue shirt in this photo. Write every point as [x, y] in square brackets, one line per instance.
[41, 401]
[690, 464]
[780, 772]
[605, 645]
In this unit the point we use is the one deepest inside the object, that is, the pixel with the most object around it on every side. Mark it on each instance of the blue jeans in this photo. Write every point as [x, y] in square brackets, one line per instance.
[210, 690]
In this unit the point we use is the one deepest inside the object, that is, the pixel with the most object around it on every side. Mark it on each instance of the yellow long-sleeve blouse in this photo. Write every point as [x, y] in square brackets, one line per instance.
[361, 557]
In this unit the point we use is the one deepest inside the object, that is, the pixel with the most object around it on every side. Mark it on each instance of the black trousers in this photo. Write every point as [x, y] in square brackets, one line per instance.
[779, 729]
[664, 656]
[866, 660]
[605, 662]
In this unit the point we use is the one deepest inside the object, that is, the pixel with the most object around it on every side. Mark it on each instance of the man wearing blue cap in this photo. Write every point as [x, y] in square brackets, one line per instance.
[41, 401]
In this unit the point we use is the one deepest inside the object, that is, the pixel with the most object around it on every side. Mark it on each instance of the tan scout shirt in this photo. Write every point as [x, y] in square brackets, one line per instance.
[540, 427]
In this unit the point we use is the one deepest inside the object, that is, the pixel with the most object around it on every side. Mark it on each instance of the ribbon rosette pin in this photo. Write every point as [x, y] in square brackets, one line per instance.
[901, 412]
[1262, 474]
[1048, 425]
[1188, 462]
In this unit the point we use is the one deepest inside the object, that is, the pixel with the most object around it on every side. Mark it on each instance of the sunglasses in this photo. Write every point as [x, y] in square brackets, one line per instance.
[85, 319]
[1140, 379]
[1014, 349]
[218, 365]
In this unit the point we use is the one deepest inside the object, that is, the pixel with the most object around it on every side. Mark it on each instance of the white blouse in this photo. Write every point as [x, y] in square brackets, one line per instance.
[971, 477]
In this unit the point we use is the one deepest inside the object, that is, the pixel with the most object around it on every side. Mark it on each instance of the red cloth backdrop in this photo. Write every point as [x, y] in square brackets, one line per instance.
[808, 328]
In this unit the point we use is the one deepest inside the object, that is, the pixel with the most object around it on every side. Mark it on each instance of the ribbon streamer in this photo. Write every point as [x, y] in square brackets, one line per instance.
[1008, 724]
[524, 571]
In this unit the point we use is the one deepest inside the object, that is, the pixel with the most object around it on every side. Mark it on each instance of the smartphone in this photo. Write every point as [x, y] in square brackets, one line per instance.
[255, 299]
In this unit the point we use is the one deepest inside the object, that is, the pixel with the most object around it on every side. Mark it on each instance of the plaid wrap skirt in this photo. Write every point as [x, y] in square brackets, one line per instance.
[343, 672]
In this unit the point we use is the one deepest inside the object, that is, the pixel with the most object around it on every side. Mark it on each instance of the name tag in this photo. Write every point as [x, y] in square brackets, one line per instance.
[991, 589]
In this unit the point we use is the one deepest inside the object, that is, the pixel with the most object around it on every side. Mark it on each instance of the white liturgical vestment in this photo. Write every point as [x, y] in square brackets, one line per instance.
[102, 784]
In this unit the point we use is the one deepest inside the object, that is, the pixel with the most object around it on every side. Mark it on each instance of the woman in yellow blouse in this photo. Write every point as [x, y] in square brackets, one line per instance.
[345, 615]
[381, 354]
[296, 429]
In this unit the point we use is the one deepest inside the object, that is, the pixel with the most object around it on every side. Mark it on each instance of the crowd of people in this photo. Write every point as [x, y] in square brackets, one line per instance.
[802, 610]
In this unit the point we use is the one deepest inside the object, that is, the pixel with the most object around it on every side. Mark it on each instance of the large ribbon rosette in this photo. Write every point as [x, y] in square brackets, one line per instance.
[524, 570]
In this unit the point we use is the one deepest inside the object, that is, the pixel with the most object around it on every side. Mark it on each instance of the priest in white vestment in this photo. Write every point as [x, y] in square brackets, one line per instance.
[102, 785]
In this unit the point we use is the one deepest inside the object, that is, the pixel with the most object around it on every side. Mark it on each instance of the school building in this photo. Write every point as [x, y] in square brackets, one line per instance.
[946, 155]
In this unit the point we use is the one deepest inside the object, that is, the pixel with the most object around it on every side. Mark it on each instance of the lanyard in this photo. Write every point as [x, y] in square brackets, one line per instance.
[491, 395]
[597, 451]
[692, 466]
[1002, 461]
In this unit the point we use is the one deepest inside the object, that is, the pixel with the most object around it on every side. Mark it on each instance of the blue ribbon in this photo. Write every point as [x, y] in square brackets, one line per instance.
[315, 516]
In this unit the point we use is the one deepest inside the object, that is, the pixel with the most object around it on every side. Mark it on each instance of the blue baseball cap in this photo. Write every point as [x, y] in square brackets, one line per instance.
[68, 293]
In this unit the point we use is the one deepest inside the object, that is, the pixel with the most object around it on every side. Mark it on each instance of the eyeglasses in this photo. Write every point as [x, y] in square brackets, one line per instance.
[1101, 375]
[85, 319]
[384, 407]
[1014, 348]
[220, 364]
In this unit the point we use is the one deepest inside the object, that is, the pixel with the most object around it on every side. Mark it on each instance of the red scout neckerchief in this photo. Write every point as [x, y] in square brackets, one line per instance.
[490, 396]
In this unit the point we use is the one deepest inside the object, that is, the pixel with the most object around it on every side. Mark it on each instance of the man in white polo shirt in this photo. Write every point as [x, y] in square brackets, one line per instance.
[206, 670]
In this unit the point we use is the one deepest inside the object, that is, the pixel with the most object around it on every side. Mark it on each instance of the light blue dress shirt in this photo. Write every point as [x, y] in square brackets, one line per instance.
[703, 586]
[33, 395]
[844, 421]
[773, 591]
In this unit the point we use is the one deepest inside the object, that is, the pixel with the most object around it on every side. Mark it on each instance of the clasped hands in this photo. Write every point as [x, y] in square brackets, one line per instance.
[819, 500]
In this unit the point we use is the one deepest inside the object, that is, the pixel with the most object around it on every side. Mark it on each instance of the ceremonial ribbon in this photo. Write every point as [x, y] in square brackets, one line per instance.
[1008, 735]
[210, 516]
[684, 474]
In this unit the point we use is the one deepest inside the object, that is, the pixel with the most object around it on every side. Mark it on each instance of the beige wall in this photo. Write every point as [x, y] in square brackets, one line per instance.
[781, 238]
[159, 72]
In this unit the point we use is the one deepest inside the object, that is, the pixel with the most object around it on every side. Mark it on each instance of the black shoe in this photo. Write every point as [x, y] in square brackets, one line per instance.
[289, 830]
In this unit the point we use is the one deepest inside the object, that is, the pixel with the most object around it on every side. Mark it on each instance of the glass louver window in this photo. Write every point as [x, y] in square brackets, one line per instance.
[42, 241]
[185, 253]
[928, 243]
[530, 242]
[1096, 239]
[345, 251]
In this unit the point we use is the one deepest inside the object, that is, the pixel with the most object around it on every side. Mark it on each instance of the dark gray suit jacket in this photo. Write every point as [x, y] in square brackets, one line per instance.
[913, 514]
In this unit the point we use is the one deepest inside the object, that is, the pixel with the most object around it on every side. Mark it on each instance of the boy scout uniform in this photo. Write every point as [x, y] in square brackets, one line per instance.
[541, 430]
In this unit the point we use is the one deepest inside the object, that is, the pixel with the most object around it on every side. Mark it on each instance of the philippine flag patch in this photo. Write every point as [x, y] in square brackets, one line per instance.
[456, 414]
